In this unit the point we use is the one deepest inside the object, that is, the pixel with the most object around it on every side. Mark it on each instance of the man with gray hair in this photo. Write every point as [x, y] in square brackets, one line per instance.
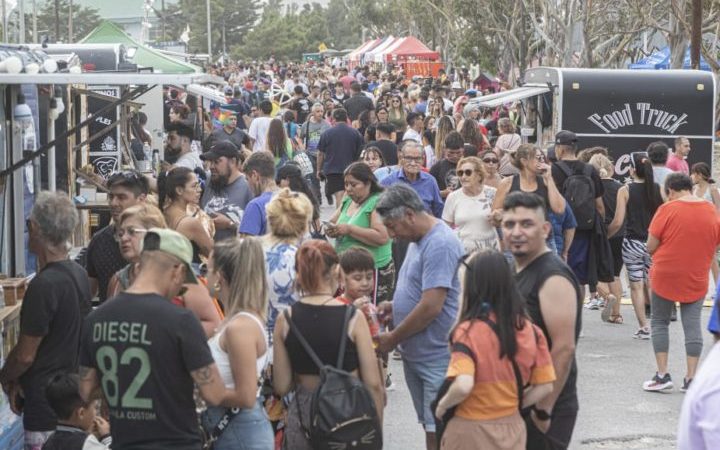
[55, 303]
[425, 303]
[410, 173]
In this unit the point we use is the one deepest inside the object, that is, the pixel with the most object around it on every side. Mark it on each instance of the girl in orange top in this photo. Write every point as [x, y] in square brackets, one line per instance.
[493, 331]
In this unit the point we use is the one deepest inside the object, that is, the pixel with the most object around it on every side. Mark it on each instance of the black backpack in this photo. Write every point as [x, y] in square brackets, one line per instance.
[579, 191]
[342, 411]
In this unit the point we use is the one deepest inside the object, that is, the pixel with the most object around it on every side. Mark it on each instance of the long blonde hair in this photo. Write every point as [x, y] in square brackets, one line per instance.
[444, 127]
[241, 261]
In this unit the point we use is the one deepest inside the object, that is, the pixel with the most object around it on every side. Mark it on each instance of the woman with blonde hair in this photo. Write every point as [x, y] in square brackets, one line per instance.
[288, 216]
[469, 209]
[130, 231]
[236, 271]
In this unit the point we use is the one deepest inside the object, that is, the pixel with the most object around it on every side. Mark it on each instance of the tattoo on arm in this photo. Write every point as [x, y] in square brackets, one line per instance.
[202, 376]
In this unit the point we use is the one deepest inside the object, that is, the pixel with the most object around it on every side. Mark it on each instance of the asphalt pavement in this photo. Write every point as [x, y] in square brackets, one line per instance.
[615, 412]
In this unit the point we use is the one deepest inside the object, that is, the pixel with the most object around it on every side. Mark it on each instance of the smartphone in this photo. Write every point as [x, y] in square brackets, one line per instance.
[327, 224]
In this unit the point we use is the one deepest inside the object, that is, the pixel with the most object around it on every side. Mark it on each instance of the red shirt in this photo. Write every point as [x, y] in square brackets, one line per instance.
[677, 164]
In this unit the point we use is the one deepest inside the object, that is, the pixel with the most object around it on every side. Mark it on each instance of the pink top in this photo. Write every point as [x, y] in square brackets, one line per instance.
[677, 164]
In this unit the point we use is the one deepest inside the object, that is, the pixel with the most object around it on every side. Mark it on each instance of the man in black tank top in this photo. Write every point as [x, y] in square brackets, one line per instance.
[554, 302]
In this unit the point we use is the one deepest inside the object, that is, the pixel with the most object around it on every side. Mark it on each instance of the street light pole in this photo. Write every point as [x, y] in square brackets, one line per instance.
[57, 20]
[209, 30]
[21, 21]
[70, 22]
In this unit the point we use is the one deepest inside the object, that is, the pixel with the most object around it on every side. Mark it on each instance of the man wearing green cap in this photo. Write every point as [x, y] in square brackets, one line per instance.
[144, 353]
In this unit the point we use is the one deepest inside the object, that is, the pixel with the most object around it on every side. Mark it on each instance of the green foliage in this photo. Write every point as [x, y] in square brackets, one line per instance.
[85, 19]
[236, 17]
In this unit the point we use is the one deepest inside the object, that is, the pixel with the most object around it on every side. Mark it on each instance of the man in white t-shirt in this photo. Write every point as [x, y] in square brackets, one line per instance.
[415, 128]
[178, 151]
[259, 127]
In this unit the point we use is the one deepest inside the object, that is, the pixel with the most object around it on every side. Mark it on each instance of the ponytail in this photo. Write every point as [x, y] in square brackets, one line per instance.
[644, 170]
[313, 261]
[169, 181]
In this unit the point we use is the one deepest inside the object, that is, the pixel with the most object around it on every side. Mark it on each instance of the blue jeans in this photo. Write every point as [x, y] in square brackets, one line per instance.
[423, 380]
[249, 430]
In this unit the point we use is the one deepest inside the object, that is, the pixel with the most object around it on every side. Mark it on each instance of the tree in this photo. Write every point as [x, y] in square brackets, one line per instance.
[85, 19]
[231, 21]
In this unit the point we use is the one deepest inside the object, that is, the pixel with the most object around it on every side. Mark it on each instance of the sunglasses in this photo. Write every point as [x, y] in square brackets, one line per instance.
[490, 161]
[467, 173]
[130, 231]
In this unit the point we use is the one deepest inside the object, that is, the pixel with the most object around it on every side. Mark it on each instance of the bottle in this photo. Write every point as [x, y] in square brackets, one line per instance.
[147, 150]
[156, 162]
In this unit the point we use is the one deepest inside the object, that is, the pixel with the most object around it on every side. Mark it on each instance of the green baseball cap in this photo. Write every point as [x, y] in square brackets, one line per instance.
[172, 243]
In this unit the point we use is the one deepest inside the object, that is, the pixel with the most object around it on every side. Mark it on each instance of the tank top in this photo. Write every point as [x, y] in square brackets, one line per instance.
[639, 213]
[321, 326]
[223, 361]
[529, 282]
[541, 189]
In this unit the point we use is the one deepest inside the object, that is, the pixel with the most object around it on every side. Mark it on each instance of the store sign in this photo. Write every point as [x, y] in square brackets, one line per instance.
[104, 149]
[641, 113]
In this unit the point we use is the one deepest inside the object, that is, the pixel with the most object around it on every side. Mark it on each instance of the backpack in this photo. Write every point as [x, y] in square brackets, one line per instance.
[579, 191]
[342, 411]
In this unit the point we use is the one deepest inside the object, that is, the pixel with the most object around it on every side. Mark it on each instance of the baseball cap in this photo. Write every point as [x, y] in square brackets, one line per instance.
[471, 92]
[564, 137]
[222, 148]
[228, 90]
[174, 244]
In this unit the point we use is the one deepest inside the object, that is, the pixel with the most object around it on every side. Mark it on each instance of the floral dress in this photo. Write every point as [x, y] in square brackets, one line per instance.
[280, 268]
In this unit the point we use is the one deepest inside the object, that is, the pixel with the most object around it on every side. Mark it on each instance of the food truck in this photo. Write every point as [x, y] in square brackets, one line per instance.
[622, 110]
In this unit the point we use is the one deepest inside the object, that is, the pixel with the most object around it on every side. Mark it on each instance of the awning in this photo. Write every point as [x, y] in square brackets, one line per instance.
[513, 95]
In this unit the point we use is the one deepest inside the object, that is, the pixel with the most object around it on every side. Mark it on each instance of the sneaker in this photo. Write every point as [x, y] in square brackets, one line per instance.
[607, 310]
[389, 385]
[657, 383]
[642, 333]
[686, 384]
[673, 314]
[593, 304]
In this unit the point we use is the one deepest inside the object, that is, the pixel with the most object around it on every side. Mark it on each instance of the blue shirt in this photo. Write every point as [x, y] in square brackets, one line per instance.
[430, 263]
[560, 223]
[714, 323]
[425, 186]
[254, 220]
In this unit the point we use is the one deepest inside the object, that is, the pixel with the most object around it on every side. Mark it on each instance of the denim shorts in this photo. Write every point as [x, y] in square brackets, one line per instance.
[249, 430]
[424, 380]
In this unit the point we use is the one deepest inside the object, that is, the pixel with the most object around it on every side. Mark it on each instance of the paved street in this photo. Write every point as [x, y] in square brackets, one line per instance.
[615, 413]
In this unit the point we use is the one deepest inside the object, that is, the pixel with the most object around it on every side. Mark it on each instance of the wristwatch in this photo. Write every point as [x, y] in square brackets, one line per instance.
[541, 414]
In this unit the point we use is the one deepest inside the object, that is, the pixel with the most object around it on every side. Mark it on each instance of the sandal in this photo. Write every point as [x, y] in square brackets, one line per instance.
[606, 313]
[616, 319]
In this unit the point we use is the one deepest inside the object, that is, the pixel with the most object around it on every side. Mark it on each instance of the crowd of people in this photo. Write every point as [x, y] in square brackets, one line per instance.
[218, 304]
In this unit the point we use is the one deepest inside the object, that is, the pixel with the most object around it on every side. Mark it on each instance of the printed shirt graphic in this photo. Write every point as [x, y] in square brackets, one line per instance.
[230, 201]
[280, 266]
[143, 348]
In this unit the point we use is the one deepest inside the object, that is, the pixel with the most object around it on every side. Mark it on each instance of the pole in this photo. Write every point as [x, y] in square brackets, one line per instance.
[57, 21]
[162, 7]
[696, 37]
[35, 36]
[52, 170]
[209, 29]
[21, 21]
[70, 22]
[4, 21]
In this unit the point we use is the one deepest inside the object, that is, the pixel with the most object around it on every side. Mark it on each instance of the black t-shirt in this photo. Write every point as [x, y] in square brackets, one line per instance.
[56, 301]
[577, 167]
[301, 106]
[445, 174]
[529, 281]
[611, 188]
[356, 104]
[388, 149]
[144, 348]
[103, 259]
[341, 145]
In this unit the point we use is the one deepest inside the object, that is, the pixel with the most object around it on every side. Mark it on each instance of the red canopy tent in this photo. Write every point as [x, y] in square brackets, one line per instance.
[410, 48]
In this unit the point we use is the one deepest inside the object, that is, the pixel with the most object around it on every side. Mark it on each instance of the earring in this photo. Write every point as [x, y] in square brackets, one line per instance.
[216, 286]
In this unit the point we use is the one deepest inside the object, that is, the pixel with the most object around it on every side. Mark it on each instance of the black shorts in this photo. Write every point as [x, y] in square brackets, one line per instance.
[616, 249]
[334, 182]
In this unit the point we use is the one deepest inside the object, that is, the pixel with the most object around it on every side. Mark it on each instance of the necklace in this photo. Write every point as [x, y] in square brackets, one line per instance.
[327, 300]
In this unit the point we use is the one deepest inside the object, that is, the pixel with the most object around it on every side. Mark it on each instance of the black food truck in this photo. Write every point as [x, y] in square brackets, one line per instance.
[622, 110]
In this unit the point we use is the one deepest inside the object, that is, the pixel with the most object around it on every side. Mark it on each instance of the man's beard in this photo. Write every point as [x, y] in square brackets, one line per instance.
[171, 154]
[218, 182]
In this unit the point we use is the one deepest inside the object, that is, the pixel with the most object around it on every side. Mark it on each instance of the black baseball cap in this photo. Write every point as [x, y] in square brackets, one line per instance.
[222, 148]
[564, 137]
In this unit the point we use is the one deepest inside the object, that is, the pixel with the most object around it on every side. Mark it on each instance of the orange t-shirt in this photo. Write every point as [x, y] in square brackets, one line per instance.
[494, 393]
[689, 233]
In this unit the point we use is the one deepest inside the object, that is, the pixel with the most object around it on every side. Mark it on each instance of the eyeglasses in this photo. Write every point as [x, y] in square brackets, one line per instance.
[465, 173]
[490, 161]
[413, 159]
[540, 157]
[131, 231]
